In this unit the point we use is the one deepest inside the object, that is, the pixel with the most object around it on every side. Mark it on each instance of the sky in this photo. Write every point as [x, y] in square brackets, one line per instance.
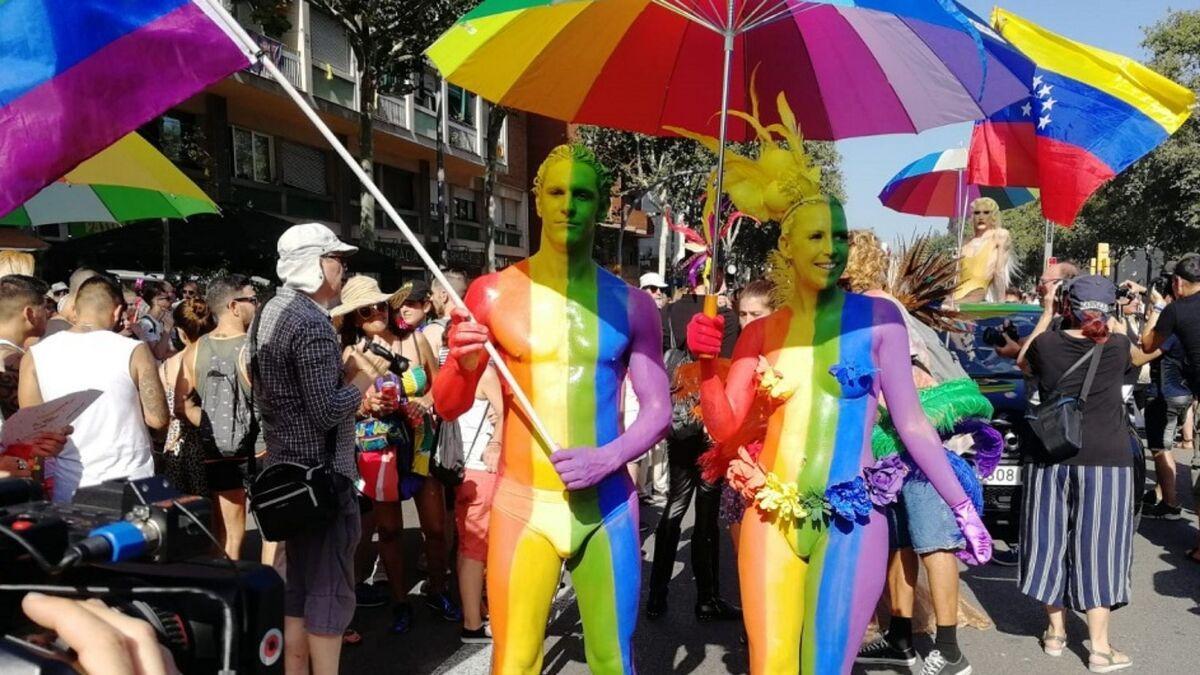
[868, 163]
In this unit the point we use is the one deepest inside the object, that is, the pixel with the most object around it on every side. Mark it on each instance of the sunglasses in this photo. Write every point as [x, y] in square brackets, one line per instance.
[371, 310]
[984, 213]
[344, 261]
[188, 293]
[249, 298]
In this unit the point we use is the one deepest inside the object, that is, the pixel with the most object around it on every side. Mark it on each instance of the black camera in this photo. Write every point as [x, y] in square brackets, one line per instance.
[143, 548]
[1163, 286]
[994, 337]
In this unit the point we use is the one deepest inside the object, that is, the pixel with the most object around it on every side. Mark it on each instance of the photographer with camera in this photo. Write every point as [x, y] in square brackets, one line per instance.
[1178, 319]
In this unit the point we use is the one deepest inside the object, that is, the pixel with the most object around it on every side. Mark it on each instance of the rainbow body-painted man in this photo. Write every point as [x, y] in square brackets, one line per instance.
[806, 382]
[570, 332]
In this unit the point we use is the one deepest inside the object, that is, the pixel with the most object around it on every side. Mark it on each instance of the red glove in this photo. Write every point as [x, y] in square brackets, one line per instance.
[705, 335]
[466, 339]
[454, 387]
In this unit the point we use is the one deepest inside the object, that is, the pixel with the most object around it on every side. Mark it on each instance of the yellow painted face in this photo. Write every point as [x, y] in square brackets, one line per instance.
[817, 243]
[568, 203]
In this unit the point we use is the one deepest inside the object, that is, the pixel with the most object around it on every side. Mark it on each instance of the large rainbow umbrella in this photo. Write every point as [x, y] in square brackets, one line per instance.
[130, 180]
[934, 185]
[849, 67]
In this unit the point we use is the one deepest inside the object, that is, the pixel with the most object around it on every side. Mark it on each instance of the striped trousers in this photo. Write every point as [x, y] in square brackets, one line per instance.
[1077, 535]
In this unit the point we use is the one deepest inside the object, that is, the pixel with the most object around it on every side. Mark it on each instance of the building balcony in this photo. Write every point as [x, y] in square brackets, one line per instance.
[285, 59]
[392, 110]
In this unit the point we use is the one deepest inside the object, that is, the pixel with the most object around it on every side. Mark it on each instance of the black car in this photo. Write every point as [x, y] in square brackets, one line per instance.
[1004, 386]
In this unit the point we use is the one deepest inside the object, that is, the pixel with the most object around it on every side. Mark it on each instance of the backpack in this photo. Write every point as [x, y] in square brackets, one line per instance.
[229, 425]
[684, 421]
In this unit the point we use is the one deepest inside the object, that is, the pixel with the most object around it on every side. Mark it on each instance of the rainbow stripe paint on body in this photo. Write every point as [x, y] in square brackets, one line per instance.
[809, 584]
[570, 332]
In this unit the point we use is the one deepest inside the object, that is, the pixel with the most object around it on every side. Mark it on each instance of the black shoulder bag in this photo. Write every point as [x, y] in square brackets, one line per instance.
[287, 498]
[1058, 422]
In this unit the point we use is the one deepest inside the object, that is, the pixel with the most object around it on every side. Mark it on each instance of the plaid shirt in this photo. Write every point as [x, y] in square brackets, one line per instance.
[299, 387]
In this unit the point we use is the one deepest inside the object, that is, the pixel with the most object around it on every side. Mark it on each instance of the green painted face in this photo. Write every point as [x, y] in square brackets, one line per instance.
[568, 204]
[817, 243]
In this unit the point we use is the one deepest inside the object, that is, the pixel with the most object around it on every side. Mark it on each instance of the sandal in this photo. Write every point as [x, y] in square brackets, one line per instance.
[1059, 643]
[1109, 661]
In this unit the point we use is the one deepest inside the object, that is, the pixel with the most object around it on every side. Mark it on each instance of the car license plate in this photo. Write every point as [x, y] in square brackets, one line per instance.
[1004, 475]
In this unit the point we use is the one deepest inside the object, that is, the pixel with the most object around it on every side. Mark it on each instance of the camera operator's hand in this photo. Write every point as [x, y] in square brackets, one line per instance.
[1156, 298]
[1133, 286]
[105, 641]
[1051, 294]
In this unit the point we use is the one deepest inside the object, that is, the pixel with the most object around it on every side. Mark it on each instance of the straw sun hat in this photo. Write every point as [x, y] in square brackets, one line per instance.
[363, 291]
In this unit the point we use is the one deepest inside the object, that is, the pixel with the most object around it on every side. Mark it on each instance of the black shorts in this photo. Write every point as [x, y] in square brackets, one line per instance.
[226, 474]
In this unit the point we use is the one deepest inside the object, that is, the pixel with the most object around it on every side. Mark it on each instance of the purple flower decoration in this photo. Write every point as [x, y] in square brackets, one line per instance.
[884, 479]
[856, 380]
[988, 444]
[848, 500]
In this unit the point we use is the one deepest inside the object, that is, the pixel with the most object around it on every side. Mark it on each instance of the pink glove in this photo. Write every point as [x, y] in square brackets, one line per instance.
[705, 333]
[979, 542]
[582, 468]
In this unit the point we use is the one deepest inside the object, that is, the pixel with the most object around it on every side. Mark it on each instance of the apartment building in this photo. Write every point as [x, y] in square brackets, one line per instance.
[250, 146]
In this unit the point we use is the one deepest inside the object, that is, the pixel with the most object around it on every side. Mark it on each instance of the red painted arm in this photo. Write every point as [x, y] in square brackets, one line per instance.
[454, 386]
[725, 405]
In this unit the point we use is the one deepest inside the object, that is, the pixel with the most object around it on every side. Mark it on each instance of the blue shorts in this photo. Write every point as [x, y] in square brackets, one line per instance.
[920, 520]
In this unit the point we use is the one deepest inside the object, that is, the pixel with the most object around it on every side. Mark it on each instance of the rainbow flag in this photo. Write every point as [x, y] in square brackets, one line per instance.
[1090, 115]
[76, 75]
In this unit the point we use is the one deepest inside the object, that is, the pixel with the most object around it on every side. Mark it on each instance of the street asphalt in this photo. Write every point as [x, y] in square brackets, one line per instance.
[1159, 629]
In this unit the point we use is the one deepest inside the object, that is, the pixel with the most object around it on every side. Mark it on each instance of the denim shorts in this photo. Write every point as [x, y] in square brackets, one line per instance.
[920, 520]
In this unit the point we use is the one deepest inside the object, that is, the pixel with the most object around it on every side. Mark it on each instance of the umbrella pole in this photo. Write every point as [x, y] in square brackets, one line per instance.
[710, 303]
[166, 247]
[269, 66]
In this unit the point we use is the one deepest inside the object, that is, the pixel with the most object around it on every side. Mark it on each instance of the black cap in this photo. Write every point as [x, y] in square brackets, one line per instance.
[1092, 292]
[420, 291]
[1188, 268]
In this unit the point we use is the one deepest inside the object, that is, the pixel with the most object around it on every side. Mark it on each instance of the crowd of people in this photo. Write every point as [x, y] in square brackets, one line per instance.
[334, 370]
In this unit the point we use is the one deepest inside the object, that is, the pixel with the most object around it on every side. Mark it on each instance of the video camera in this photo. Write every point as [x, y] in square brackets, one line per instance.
[143, 548]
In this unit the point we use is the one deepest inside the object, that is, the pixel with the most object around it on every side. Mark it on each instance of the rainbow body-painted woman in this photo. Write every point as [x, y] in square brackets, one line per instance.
[570, 332]
[800, 400]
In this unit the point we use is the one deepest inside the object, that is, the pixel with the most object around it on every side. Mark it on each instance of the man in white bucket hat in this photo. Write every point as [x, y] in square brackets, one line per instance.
[302, 398]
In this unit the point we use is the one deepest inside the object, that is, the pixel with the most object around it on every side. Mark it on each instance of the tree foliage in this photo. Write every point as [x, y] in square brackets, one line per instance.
[388, 39]
[674, 171]
[1156, 202]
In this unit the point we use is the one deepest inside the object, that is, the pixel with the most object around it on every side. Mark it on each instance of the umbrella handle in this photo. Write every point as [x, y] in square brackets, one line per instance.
[710, 310]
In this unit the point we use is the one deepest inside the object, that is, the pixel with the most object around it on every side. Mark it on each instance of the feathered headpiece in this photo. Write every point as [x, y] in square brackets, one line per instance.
[922, 280]
[782, 178]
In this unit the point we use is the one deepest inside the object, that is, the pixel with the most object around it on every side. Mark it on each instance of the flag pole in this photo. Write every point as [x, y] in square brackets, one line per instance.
[388, 209]
[1047, 245]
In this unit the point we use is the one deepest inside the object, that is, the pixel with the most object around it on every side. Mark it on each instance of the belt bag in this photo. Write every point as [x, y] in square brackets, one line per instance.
[288, 499]
[1058, 422]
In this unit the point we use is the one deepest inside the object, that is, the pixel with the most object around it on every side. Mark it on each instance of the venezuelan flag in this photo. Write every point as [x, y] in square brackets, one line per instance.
[1090, 115]
[76, 75]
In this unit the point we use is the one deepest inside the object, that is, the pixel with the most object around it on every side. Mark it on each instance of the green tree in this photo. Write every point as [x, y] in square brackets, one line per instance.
[674, 171]
[1155, 204]
[388, 38]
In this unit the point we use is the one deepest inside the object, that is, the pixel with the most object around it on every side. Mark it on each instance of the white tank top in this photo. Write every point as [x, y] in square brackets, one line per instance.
[476, 432]
[110, 438]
